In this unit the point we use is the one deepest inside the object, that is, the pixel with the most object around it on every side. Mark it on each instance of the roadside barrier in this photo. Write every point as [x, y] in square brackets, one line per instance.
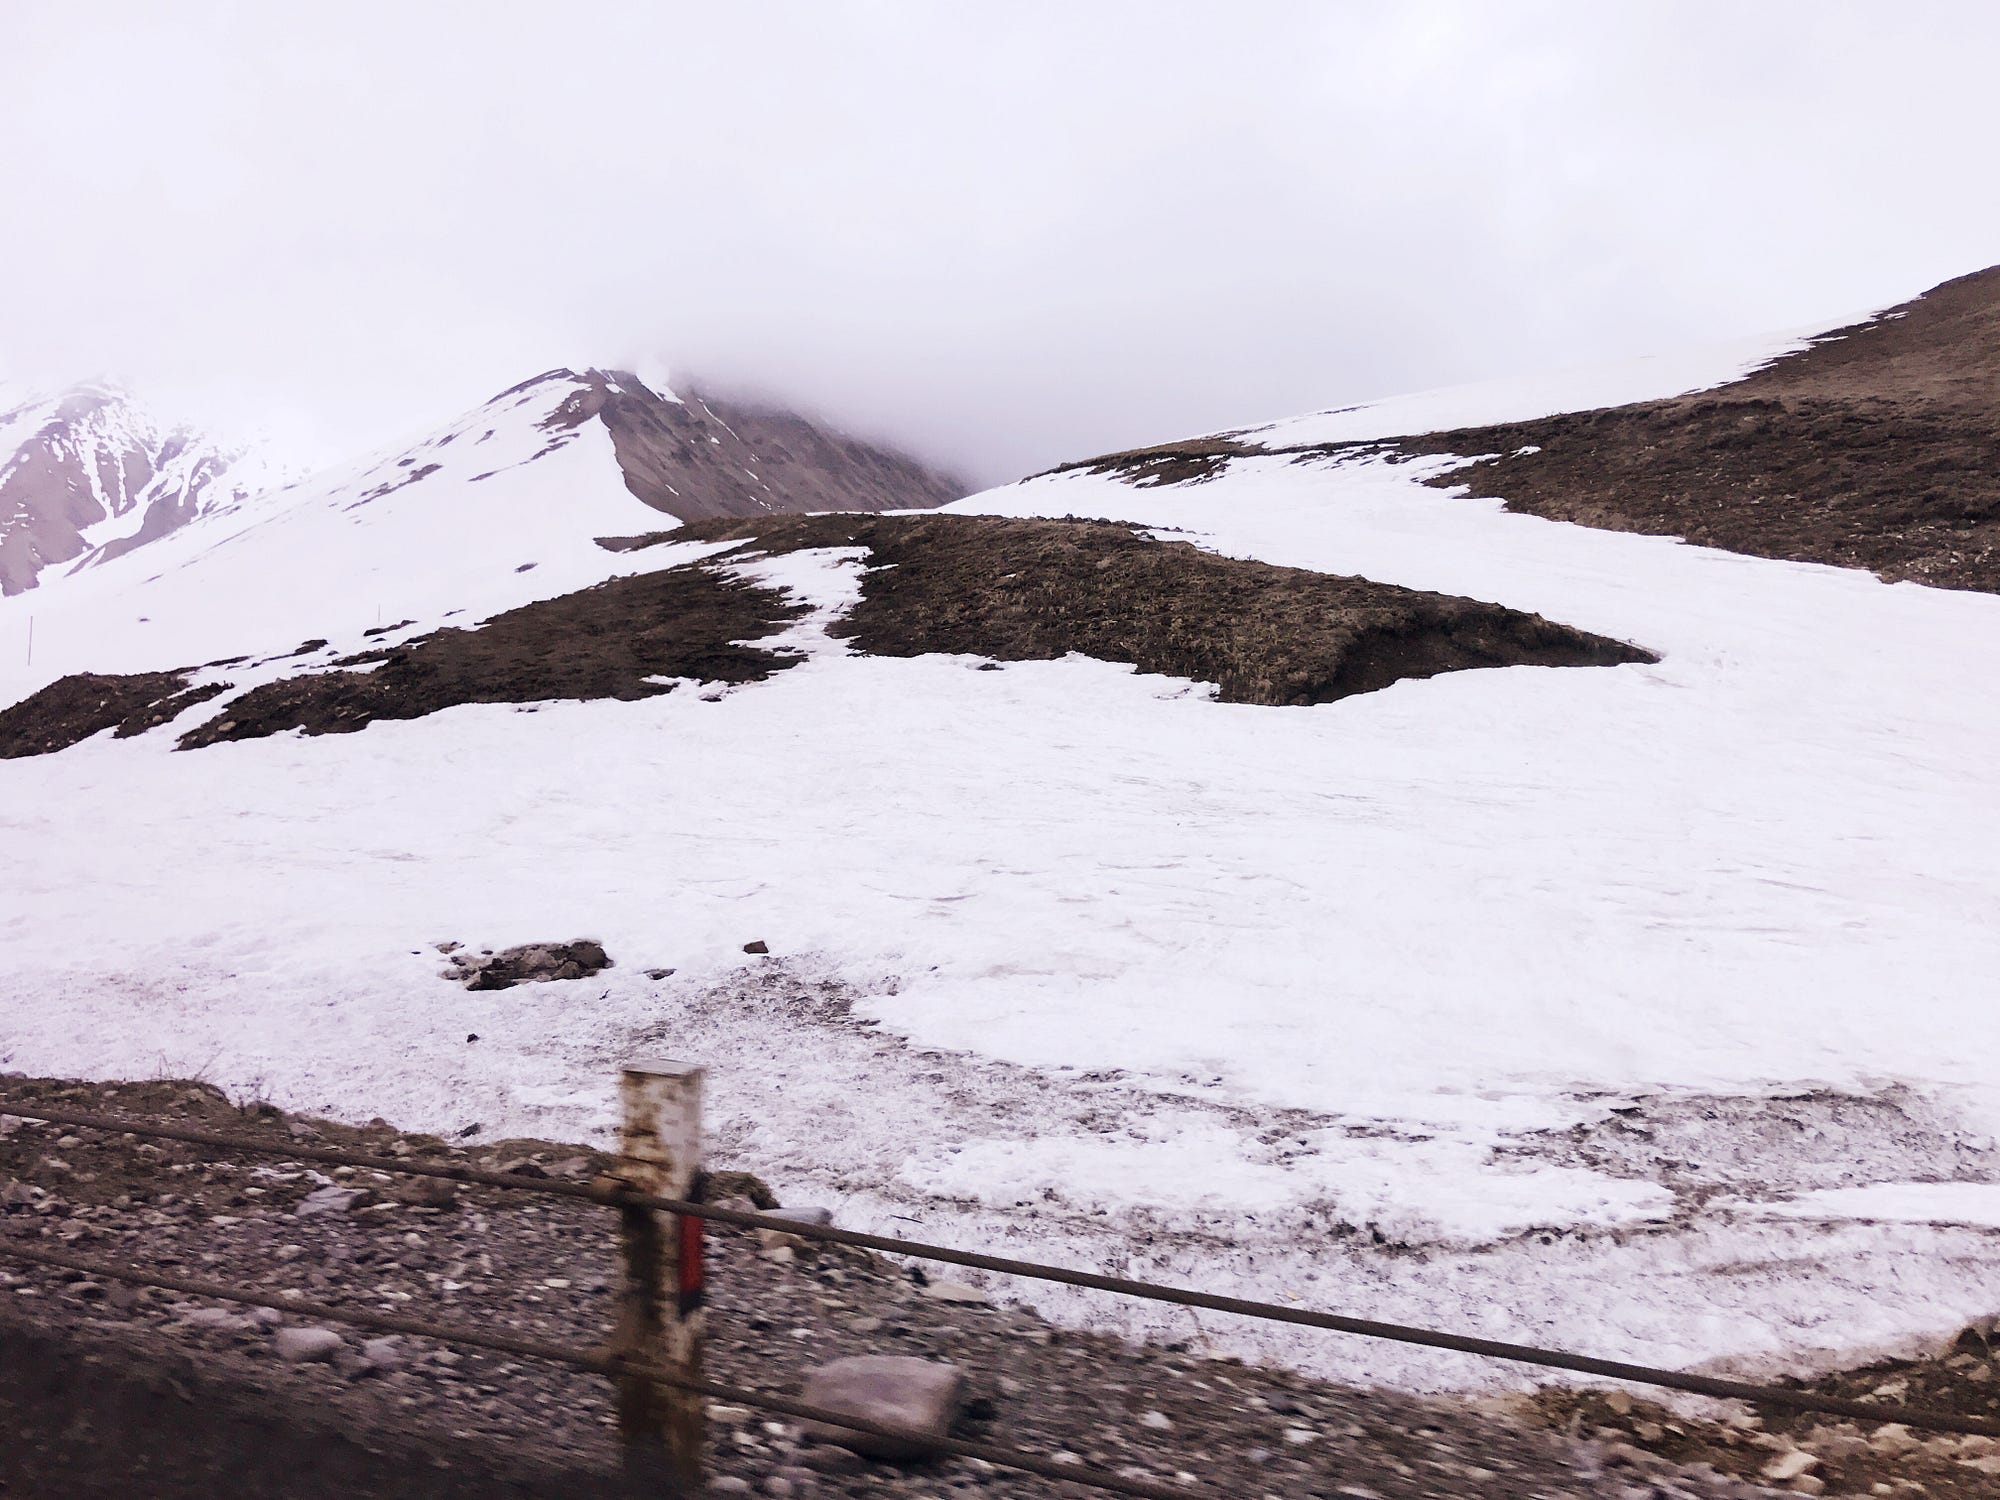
[654, 1358]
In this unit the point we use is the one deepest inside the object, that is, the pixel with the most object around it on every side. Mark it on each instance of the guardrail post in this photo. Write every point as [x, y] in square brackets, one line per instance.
[661, 1320]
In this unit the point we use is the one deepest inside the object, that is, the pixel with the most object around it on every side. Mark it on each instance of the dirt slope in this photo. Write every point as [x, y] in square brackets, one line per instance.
[1879, 448]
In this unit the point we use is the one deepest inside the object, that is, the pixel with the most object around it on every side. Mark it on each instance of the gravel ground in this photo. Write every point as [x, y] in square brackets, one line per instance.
[545, 1268]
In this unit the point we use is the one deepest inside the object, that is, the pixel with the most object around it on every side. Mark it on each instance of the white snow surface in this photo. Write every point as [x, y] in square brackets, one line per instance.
[1973, 1203]
[1433, 1005]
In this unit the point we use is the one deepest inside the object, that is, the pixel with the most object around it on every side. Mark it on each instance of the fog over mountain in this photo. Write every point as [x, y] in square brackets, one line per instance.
[1001, 237]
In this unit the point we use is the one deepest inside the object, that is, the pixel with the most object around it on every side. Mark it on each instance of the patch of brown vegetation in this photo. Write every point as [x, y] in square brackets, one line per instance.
[1907, 492]
[602, 642]
[1189, 462]
[74, 708]
[1037, 590]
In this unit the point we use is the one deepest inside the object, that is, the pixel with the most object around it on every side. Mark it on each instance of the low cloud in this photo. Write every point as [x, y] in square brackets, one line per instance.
[1003, 236]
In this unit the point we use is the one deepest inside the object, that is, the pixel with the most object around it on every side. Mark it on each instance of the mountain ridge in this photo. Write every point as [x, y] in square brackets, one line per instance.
[76, 461]
[90, 455]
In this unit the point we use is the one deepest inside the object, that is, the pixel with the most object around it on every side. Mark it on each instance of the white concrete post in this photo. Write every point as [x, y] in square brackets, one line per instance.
[661, 1321]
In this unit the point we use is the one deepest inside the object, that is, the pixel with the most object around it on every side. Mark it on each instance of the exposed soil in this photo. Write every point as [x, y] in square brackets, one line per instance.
[1010, 590]
[1036, 590]
[544, 1267]
[1878, 447]
[602, 642]
[74, 708]
[1906, 491]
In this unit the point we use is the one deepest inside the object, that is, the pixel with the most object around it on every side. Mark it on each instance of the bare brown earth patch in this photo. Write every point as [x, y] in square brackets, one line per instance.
[1908, 493]
[1878, 447]
[1036, 590]
[74, 708]
[602, 642]
[1004, 589]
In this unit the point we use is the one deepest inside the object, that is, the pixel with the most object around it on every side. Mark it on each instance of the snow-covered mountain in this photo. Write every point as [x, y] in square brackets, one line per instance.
[87, 473]
[500, 506]
[1631, 1001]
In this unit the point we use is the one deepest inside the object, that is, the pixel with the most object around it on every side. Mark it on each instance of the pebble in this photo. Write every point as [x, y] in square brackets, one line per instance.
[299, 1346]
[958, 1293]
[385, 1354]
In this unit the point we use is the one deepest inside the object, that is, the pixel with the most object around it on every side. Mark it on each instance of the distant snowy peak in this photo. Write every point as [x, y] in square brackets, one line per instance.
[701, 457]
[696, 458]
[87, 473]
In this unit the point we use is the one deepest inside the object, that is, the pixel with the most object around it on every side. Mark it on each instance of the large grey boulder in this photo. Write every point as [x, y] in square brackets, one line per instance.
[919, 1395]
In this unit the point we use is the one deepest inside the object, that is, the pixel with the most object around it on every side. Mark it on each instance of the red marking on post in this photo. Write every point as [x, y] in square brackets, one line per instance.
[689, 1268]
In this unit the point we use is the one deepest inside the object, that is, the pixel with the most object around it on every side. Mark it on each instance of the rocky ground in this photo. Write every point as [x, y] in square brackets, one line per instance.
[473, 1423]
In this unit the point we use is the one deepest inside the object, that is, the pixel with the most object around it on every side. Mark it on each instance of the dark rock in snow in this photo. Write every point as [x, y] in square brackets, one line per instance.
[531, 963]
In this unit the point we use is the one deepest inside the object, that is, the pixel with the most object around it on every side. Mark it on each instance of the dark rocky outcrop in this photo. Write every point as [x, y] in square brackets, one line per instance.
[706, 457]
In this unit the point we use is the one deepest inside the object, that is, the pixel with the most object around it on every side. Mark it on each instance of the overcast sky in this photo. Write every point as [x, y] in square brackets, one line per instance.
[1005, 233]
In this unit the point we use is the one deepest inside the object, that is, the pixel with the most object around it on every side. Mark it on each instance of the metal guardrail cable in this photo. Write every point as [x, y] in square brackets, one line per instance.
[602, 1364]
[614, 1196]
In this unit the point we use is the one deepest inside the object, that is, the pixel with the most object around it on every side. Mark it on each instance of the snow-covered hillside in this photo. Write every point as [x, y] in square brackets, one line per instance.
[499, 507]
[1638, 1009]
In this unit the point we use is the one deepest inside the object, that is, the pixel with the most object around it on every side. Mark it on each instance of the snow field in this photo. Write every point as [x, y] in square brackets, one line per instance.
[1322, 1004]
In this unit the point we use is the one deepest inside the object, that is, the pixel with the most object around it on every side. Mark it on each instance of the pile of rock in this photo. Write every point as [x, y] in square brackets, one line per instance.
[531, 963]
